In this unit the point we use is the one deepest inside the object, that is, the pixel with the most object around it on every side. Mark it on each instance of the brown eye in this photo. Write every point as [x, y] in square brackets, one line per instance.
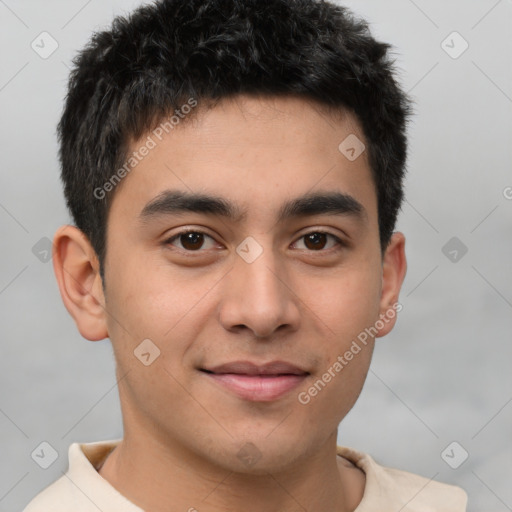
[317, 240]
[190, 240]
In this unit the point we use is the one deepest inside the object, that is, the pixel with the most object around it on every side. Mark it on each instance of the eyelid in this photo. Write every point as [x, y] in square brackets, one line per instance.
[340, 241]
[170, 239]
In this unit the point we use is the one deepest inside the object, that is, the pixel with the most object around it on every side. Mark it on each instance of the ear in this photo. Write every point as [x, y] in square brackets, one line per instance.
[76, 267]
[394, 267]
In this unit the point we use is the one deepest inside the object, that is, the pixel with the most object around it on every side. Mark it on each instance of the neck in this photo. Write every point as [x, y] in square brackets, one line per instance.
[158, 478]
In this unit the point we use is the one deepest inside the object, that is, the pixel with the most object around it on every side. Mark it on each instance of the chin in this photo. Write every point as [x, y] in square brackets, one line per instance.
[258, 454]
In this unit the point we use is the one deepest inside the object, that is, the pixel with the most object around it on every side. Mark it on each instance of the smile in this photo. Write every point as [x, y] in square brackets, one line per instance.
[257, 388]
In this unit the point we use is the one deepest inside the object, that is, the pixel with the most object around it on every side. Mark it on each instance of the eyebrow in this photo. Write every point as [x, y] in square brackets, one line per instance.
[176, 202]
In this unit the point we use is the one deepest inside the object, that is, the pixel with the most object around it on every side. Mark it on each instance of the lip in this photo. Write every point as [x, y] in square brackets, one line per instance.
[250, 368]
[258, 383]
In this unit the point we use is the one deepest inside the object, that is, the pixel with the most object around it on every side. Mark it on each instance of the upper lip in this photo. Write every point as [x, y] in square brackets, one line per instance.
[249, 368]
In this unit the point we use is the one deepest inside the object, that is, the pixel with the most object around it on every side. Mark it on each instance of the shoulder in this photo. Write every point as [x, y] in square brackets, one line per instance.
[81, 488]
[57, 497]
[402, 490]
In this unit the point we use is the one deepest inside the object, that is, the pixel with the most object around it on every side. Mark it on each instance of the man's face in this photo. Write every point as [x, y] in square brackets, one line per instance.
[253, 289]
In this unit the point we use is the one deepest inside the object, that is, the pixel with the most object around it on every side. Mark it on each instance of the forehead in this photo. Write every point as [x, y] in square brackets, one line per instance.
[253, 152]
[262, 117]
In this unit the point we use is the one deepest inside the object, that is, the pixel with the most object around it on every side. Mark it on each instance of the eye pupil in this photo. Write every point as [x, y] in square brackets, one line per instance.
[194, 240]
[317, 240]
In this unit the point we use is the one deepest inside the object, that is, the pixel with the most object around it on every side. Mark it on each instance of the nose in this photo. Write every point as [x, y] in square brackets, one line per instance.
[259, 296]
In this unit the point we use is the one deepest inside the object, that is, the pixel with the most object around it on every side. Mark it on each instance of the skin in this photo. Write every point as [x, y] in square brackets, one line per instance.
[304, 305]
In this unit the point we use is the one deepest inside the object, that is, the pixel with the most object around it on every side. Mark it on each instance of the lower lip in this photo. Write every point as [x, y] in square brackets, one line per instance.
[258, 388]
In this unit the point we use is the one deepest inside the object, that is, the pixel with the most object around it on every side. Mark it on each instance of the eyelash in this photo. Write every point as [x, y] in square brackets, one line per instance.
[338, 240]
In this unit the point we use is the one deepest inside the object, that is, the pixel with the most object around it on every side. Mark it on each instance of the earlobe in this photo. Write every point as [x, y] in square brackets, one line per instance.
[76, 268]
[394, 268]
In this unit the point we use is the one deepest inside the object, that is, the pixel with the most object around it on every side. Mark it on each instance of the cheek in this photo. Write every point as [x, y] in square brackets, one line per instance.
[152, 297]
[345, 303]
[161, 304]
[332, 393]
[163, 309]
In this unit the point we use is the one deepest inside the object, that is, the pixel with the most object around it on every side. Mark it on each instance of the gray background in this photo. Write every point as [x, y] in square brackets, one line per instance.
[442, 375]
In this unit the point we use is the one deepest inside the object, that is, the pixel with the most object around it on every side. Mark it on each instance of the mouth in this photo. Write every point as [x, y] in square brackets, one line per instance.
[257, 383]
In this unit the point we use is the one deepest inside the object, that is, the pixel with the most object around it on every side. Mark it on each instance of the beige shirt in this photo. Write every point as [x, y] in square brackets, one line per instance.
[83, 489]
